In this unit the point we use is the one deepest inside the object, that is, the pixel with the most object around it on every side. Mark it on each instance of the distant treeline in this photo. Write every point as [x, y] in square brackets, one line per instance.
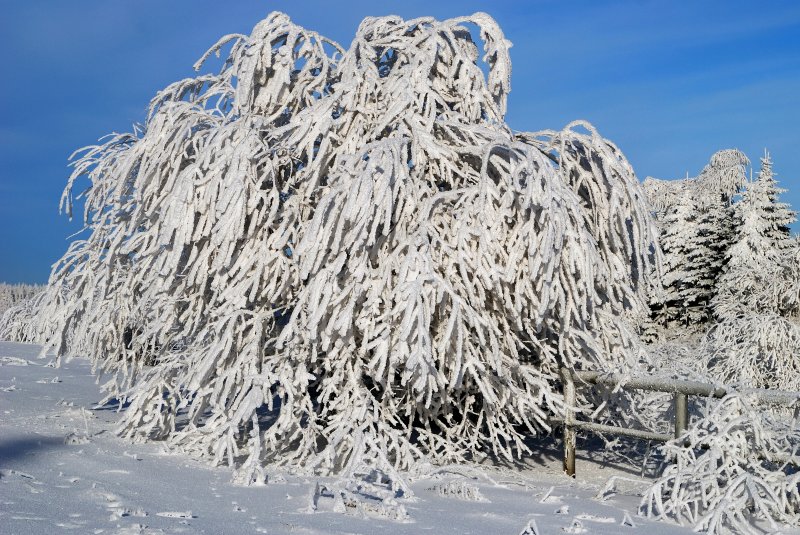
[11, 294]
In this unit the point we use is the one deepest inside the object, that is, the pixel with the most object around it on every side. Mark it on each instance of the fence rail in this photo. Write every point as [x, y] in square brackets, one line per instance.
[680, 389]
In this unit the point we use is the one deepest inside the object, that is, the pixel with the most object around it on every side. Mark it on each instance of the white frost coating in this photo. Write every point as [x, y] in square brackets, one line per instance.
[756, 350]
[728, 473]
[335, 258]
[757, 340]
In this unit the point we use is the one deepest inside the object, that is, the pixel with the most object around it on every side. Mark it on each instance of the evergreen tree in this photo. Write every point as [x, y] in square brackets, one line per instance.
[696, 235]
[679, 233]
[715, 231]
[697, 228]
[777, 215]
[762, 234]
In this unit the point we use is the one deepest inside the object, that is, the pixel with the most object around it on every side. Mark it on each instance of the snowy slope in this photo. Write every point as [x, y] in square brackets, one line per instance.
[63, 469]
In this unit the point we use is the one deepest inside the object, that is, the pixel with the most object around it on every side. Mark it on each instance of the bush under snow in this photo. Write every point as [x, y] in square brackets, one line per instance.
[729, 472]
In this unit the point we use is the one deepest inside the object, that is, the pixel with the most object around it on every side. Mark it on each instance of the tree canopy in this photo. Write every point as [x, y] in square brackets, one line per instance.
[322, 256]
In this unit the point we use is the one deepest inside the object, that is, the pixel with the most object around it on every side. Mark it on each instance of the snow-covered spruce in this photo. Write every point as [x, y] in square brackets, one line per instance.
[697, 228]
[757, 339]
[325, 257]
[777, 214]
[761, 244]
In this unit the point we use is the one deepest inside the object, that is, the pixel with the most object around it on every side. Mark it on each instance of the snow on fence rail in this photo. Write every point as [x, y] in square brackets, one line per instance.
[681, 390]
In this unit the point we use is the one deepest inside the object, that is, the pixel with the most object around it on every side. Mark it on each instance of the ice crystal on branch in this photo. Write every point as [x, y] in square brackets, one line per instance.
[325, 257]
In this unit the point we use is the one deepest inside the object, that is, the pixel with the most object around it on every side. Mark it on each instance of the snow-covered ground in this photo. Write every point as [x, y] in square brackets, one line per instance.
[62, 468]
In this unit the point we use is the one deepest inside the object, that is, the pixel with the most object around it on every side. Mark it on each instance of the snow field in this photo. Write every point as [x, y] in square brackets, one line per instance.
[62, 469]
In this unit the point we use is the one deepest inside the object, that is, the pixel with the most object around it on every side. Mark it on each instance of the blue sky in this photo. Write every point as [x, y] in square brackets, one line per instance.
[670, 82]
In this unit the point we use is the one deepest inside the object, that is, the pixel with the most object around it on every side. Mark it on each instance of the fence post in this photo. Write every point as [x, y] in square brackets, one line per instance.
[569, 419]
[681, 413]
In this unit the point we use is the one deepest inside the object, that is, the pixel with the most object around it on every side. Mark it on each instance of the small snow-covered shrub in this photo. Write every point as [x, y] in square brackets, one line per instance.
[757, 340]
[760, 351]
[458, 489]
[322, 255]
[18, 308]
[729, 472]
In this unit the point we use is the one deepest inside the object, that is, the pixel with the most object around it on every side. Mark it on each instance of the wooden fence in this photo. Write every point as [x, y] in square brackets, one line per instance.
[681, 391]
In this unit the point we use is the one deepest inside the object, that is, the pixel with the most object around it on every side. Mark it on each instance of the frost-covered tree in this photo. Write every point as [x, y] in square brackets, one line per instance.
[778, 214]
[729, 472]
[762, 237]
[696, 224]
[756, 341]
[326, 257]
[680, 242]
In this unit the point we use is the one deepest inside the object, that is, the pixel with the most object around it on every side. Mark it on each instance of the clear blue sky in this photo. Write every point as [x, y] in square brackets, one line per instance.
[669, 81]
